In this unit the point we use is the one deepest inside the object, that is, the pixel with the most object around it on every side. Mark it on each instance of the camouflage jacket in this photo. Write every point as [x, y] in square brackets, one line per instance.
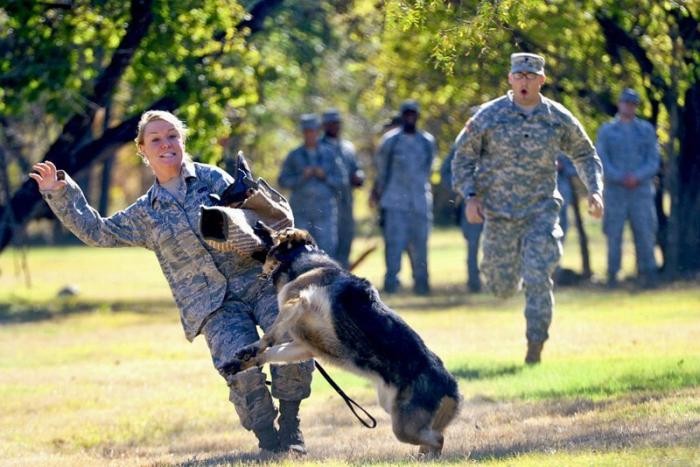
[404, 164]
[629, 148]
[199, 276]
[311, 193]
[346, 153]
[508, 157]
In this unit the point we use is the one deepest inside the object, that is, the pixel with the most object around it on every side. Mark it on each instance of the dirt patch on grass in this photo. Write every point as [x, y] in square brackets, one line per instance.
[484, 430]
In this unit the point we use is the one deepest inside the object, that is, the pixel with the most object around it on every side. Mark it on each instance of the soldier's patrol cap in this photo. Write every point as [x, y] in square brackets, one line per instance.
[330, 116]
[527, 63]
[629, 95]
[309, 122]
[409, 106]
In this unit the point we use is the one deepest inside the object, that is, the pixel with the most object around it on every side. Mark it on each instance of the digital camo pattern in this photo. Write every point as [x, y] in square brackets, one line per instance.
[232, 328]
[524, 251]
[216, 290]
[629, 149]
[346, 153]
[314, 201]
[405, 231]
[404, 165]
[199, 276]
[507, 157]
[406, 183]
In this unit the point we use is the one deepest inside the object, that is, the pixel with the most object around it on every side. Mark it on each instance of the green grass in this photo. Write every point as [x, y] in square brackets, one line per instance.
[108, 377]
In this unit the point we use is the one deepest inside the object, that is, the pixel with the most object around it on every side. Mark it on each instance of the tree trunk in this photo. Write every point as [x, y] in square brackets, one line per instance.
[586, 272]
[106, 175]
[63, 151]
[687, 206]
[66, 153]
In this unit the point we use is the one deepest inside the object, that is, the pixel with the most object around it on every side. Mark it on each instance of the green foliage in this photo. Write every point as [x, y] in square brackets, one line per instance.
[195, 49]
[51, 56]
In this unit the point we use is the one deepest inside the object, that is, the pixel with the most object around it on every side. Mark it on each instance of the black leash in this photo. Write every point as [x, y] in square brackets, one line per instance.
[350, 403]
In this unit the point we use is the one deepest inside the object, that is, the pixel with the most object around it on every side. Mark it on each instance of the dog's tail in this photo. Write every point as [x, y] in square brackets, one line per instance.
[447, 410]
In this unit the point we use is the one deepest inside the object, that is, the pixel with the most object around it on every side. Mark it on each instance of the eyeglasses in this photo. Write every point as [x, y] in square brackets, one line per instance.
[528, 76]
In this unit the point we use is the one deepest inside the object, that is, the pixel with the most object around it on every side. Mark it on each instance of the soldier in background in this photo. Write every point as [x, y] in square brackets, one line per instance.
[470, 231]
[565, 170]
[315, 175]
[629, 150]
[504, 166]
[345, 152]
[404, 163]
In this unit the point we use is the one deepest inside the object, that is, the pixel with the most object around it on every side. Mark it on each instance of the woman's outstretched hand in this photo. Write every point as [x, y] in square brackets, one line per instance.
[46, 176]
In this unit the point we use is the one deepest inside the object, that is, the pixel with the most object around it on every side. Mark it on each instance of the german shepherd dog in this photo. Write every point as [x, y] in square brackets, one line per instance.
[336, 316]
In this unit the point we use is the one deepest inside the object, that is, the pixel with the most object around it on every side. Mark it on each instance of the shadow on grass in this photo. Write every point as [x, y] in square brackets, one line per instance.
[28, 312]
[615, 436]
[667, 380]
[444, 297]
[496, 371]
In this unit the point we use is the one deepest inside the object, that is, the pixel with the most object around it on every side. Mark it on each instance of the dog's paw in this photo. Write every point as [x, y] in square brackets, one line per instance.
[233, 367]
[247, 353]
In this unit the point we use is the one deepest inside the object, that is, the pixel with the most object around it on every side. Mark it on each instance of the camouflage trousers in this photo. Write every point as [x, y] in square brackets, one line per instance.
[639, 208]
[472, 234]
[406, 230]
[524, 251]
[346, 232]
[232, 327]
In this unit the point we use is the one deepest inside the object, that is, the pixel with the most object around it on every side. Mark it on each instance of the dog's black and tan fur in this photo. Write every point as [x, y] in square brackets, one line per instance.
[331, 314]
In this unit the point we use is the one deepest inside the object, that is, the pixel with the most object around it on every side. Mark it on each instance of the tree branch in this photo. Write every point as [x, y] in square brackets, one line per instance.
[616, 37]
[65, 152]
[62, 150]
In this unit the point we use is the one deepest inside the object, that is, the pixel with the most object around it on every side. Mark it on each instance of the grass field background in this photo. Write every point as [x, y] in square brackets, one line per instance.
[107, 377]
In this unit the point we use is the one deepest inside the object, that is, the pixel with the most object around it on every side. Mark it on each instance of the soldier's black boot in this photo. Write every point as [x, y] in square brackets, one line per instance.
[290, 435]
[268, 439]
[534, 352]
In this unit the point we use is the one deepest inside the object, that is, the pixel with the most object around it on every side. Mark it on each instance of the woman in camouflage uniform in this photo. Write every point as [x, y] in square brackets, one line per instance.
[218, 294]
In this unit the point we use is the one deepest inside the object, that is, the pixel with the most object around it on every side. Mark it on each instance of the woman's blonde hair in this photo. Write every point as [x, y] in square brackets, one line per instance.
[152, 115]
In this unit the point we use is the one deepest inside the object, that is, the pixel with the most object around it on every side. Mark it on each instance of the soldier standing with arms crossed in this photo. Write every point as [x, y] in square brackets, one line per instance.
[505, 167]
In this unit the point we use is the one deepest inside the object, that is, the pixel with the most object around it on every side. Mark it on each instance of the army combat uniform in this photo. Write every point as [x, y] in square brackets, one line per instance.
[314, 201]
[629, 148]
[565, 170]
[471, 232]
[218, 294]
[506, 156]
[404, 164]
[345, 152]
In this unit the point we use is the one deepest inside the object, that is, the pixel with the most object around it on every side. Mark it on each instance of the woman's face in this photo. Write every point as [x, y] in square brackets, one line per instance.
[163, 148]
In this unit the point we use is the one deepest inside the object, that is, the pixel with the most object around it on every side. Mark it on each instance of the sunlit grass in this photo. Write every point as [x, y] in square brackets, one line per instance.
[108, 377]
